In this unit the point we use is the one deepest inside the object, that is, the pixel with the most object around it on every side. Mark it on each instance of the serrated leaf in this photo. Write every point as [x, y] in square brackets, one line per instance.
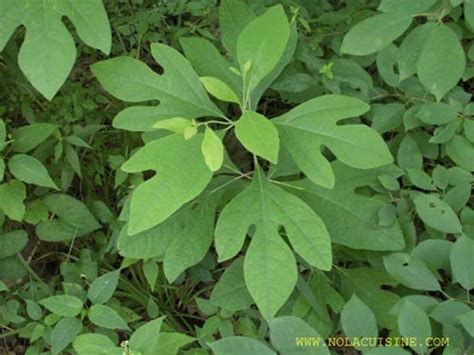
[240, 346]
[258, 135]
[28, 137]
[310, 126]
[181, 175]
[63, 305]
[48, 43]
[212, 150]
[73, 219]
[462, 262]
[64, 333]
[12, 195]
[267, 251]
[442, 61]
[30, 170]
[436, 213]
[106, 317]
[352, 219]
[12, 242]
[103, 287]
[375, 33]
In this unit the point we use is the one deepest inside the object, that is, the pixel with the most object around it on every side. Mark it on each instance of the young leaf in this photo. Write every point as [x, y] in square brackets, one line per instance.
[375, 33]
[63, 305]
[106, 317]
[30, 170]
[436, 213]
[258, 55]
[267, 251]
[212, 150]
[413, 322]
[462, 262]
[219, 89]
[48, 43]
[309, 126]
[240, 346]
[258, 135]
[350, 217]
[176, 124]
[103, 287]
[182, 175]
[442, 61]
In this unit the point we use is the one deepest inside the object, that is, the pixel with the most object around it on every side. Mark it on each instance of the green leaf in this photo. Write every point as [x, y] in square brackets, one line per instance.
[219, 89]
[258, 135]
[467, 321]
[145, 338]
[352, 219]
[469, 13]
[212, 149]
[267, 251]
[240, 346]
[64, 333]
[310, 126]
[94, 344]
[176, 124]
[3, 287]
[106, 317]
[367, 284]
[411, 272]
[30, 170]
[413, 322]
[63, 305]
[437, 113]
[151, 272]
[3, 134]
[410, 49]
[12, 195]
[230, 292]
[405, 7]
[357, 320]
[448, 312]
[462, 262]
[436, 213]
[103, 287]
[258, 55]
[461, 151]
[192, 237]
[48, 43]
[133, 81]
[170, 343]
[28, 137]
[287, 330]
[234, 15]
[375, 33]
[442, 61]
[12, 242]
[182, 175]
[73, 219]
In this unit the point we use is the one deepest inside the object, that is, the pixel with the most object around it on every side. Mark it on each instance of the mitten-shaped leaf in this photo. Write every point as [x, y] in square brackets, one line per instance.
[314, 124]
[181, 175]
